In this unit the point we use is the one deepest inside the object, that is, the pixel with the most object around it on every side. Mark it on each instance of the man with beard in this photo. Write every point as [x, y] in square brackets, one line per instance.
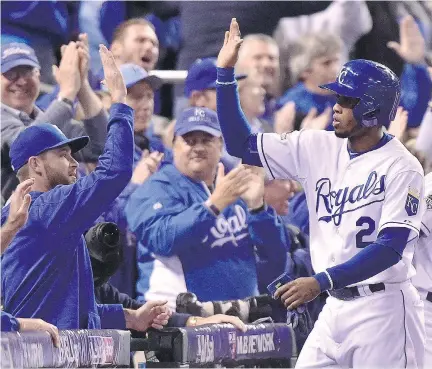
[46, 271]
[365, 212]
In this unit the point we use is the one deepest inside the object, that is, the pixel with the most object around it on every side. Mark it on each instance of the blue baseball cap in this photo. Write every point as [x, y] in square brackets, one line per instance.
[132, 74]
[197, 119]
[39, 138]
[202, 75]
[15, 54]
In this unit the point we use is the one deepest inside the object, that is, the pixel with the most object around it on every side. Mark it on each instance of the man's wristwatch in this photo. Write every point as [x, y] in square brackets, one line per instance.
[66, 101]
[258, 210]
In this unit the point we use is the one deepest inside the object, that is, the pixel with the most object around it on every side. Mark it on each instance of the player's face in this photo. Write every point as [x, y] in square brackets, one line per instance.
[323, 70]
[197, 154]
[20, 88]
[140, 46]
[344, 123]
[204, 99]
[140, 97]
[59, 166]
[252, 96]
[260, 60]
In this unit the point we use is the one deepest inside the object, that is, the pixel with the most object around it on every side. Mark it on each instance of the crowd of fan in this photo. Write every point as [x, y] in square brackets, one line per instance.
[171, 236]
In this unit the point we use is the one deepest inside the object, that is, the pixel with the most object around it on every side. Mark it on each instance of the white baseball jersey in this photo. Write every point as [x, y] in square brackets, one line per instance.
[423, 253]
[350, 200]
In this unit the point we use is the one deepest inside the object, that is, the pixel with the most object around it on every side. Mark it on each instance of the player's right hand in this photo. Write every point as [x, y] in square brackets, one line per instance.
[230, 187]
[30, 324]
[228, 54]
[113, 77]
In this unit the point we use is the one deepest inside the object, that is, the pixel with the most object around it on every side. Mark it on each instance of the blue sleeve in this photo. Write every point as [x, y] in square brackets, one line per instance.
[74, 208]
[239, 140]
[380, 255]
[162, 223]
[108, 294]
[416, 92]
[9, 323]
[269, 234]
[111, 316]
[178, 320]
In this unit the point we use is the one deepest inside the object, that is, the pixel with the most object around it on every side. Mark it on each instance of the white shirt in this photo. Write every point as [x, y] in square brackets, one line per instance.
[350, 200]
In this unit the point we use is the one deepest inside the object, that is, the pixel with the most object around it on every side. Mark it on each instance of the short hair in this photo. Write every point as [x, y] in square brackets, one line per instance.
[23, 173]
[309, 47]
[260, 37]
[121, 29]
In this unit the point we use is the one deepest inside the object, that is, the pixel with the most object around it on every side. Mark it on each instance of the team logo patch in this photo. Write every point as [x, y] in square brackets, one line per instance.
[412, 202]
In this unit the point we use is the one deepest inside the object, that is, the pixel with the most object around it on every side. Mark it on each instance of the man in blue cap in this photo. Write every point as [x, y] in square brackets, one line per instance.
[203, 235]
[200, 83]
[20, 77]
[46, 270]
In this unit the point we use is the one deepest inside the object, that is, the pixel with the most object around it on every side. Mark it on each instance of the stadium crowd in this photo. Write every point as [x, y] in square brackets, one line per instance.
[92, 134]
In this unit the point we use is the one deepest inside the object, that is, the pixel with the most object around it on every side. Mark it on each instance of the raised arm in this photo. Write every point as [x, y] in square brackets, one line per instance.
[239, 140]
[77, 206]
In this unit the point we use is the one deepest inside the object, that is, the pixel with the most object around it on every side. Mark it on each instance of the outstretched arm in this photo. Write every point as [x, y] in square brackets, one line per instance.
[239, 140]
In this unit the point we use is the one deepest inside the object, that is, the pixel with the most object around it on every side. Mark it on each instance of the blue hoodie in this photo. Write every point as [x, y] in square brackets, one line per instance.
[46, 270]
[169, 218]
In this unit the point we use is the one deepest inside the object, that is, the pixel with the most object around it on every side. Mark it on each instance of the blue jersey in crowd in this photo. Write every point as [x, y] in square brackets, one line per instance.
[46, 270]
[217, 255]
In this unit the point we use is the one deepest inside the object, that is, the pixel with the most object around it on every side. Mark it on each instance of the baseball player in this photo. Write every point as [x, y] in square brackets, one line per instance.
[364, 191]
[423, 264]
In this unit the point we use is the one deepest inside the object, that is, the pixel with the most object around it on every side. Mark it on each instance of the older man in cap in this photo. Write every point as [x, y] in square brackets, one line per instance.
[46, 271]
[20, 87]
[202, 233]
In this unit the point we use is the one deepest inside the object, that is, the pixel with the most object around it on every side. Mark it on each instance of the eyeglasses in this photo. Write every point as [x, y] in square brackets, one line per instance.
[346, 101]
[22, 71]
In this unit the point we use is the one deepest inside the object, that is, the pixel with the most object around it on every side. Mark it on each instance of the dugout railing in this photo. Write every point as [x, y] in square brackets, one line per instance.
[216, 345]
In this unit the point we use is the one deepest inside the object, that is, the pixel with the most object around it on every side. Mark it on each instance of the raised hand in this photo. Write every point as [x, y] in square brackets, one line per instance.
[148, 164]
[411, 46]
[229, 187]
[228, 54]
[84, 56]
[314, 121]
[113, 78]
[20, 204]
[398, 125]
[254, 195]
[67, 74]
[284, 118]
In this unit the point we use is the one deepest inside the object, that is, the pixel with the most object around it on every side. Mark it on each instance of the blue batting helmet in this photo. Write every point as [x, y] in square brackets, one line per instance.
[377, 87]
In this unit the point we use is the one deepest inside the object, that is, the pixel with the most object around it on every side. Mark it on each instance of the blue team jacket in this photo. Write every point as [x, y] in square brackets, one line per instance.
[46, 270]
[218, 256]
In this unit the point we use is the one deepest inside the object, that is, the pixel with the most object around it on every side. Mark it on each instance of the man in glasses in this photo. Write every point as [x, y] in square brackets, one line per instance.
[20, 86]
[364, 191]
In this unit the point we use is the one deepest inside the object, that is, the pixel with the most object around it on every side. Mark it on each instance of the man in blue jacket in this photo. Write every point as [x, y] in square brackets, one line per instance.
[204, 235]
[46, 270]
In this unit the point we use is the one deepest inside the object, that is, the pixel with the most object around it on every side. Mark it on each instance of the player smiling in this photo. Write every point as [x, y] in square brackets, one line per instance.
[364, 192]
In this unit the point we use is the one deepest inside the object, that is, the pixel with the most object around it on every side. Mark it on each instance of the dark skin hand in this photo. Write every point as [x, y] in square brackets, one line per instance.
[298, 292]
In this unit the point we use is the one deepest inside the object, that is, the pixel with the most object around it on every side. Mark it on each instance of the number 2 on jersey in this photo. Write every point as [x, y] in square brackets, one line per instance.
[366, 231]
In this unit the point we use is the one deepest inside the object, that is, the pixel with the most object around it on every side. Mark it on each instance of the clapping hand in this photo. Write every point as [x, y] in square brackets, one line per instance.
[113, 77]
